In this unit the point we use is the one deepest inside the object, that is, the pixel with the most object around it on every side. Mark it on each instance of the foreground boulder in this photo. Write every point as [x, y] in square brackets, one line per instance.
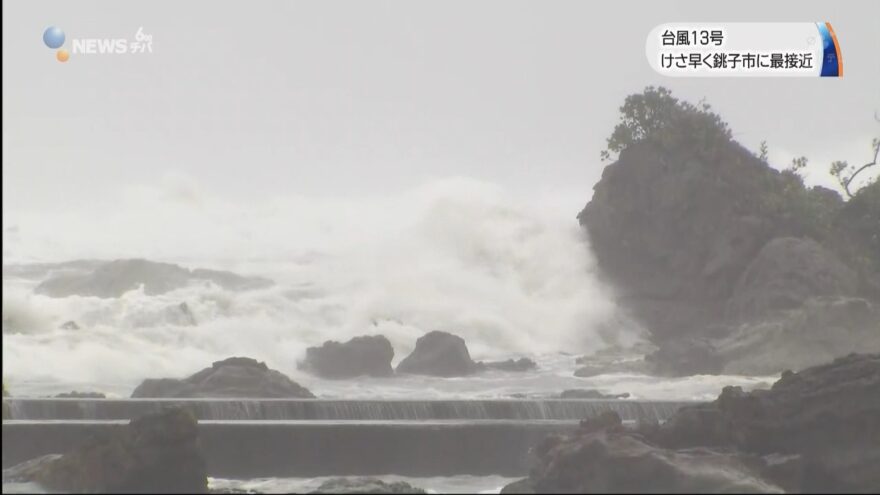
[114, 278]
[605, 457]
[828, 415]
[365, 485]
[238, 377]
[368, 355]
[813, 431]
[439, 354]
[156, 453]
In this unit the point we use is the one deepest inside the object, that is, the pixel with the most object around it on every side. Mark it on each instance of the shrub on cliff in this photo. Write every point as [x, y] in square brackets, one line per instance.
[655, 115]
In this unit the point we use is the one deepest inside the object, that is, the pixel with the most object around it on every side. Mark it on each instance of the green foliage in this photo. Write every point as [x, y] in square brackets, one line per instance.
[763, 152]
[655, 115]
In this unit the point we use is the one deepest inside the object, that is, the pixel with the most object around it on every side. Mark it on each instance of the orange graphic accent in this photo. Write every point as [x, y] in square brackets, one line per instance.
[62, 55]
[836, 48]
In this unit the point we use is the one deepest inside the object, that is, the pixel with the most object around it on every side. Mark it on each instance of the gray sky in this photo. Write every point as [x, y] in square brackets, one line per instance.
[253, 99]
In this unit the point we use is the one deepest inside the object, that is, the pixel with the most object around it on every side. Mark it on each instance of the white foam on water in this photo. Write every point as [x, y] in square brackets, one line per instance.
[509, 275]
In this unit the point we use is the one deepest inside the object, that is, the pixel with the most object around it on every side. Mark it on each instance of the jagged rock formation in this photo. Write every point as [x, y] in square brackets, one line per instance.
[238, 377]
[814, 431]
[114, 278]
[368, 355]
[156, 453]
[703, 245]
[444, 354]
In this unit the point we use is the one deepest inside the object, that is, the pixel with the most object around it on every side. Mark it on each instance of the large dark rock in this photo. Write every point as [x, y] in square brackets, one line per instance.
[156, 453]
[114, 278]
[366, 486]
[710, 248]
[675, 231]
[439, 354]
[604, 457]
[816, 332]
[814, 431]
[786, 272]
[368, 355]
[827, 415]
[238, 377]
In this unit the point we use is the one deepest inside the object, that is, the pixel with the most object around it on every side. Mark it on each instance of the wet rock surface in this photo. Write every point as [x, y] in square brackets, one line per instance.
[238, 377]
[368, 355]
[719, 255]
[813, 431]
[439, 354]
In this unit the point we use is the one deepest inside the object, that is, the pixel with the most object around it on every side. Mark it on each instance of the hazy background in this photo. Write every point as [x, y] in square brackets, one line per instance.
[250, 100]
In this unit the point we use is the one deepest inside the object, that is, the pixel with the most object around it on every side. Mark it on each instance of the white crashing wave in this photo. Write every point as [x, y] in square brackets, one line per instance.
[458, 255]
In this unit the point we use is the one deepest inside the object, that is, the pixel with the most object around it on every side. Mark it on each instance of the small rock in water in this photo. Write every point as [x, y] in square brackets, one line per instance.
[366, 486]
[69, 325]
[439, 354]
[516, 365]
[238, 377]
[367, 355]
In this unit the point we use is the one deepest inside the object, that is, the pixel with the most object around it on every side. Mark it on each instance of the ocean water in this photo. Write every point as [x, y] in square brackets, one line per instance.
[513, 276]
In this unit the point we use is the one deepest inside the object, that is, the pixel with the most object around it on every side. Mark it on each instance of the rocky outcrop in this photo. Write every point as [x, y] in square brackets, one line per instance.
[604, 457]
[368, 355]
[828, 415]
[366, 486]
[114, 278]
[711, 248]
[816, 332]
[814, 431]
[439, 354]
[786, 272]
[238, 377]
[156, 453]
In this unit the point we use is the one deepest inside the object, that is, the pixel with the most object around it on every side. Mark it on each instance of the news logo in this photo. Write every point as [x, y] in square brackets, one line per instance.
[54, 38]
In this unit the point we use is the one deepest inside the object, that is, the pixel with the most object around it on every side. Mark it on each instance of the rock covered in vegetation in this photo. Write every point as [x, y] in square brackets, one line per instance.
[238, 377]
[702, 237]
[156, 453]
[368, 355]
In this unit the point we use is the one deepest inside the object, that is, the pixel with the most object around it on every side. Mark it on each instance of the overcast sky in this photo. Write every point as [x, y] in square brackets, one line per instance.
[255, 99]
